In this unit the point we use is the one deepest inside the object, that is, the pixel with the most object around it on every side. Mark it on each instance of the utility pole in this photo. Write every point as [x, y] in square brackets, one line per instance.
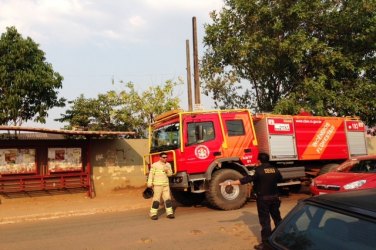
[195, 65]
[189, 81]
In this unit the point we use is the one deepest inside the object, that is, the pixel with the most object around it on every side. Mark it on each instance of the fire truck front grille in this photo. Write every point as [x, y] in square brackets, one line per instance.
[328, 187]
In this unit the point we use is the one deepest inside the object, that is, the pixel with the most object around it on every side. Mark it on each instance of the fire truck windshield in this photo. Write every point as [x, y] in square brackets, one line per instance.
[165, 138]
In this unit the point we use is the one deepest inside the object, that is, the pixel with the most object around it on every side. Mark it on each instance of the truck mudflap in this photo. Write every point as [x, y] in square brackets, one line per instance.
[292, 173]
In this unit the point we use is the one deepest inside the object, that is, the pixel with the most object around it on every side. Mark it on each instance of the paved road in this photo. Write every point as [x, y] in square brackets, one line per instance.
[193, 228]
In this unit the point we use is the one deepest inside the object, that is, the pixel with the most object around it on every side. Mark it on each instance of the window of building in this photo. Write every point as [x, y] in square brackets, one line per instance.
[17, 161]
[64, 159]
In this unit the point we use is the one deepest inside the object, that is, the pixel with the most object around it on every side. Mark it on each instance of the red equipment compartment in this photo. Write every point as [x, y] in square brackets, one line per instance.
[280, 126]
[355, 126]
[321, 138]
[355, 131]
[275, 135]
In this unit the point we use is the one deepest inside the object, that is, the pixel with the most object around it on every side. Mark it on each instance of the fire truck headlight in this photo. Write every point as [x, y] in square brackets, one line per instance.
[354, 185]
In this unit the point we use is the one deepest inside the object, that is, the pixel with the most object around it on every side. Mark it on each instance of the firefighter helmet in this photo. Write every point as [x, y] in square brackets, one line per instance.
[148, 193]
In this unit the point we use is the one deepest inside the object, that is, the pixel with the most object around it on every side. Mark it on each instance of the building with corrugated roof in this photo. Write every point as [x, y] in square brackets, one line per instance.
[38, 159]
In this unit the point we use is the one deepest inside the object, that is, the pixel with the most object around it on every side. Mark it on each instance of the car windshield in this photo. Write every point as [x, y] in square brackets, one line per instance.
[364, 166]
[311, 227]
[165, 138]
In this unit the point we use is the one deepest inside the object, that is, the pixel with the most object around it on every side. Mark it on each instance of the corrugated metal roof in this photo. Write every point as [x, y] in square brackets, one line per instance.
[33, 136]
[53, 134]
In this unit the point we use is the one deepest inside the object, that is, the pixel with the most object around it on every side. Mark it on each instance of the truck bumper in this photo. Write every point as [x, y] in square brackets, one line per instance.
[180, 180]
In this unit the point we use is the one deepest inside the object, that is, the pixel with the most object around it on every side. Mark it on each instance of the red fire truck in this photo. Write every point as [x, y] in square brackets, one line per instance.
[206, 148]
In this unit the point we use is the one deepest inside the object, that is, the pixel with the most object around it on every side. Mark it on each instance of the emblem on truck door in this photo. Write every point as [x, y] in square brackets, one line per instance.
[202, 152]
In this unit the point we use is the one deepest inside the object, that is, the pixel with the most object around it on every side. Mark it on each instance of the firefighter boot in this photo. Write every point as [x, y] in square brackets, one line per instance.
[154, 210]
[169, 210]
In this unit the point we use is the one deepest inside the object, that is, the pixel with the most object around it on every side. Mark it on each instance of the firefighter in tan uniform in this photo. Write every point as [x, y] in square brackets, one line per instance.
[158, 180]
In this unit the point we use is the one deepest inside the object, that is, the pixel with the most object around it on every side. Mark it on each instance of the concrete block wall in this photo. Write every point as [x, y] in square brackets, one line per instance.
[117, 164]
[371, 145]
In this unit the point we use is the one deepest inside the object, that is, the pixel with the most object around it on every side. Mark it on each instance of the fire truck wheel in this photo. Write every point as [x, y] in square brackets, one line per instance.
[188, 198]
[328, 168]
[229, 197]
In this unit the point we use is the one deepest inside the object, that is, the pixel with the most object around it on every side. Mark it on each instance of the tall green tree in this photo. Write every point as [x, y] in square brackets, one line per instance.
[140, 109]
[278, 55]
[127, 110]
[28, 84]
[91, 113]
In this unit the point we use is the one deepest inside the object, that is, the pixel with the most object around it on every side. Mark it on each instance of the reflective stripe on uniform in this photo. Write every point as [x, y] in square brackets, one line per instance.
[158, 175]
[169, 210]
[153, 211]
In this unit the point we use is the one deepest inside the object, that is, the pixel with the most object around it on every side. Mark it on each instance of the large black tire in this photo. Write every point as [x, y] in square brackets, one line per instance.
[187, 198]
[229, 197]
[328, 168]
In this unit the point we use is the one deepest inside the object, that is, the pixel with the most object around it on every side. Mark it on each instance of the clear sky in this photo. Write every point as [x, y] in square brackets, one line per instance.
[91, 42]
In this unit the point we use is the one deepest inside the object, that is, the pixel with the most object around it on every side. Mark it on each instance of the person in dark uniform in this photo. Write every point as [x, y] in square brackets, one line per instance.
[265, 178]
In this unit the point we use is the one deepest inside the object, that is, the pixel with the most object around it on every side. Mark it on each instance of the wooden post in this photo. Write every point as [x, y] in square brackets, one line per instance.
[189, 81]
[195, 64]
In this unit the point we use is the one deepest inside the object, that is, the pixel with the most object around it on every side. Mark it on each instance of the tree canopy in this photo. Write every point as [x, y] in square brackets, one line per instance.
[279, 55]
[127, 110]
[28, 84]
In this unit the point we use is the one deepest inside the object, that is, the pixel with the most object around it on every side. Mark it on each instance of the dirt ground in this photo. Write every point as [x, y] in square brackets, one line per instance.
[42, 205]
[85, 223]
